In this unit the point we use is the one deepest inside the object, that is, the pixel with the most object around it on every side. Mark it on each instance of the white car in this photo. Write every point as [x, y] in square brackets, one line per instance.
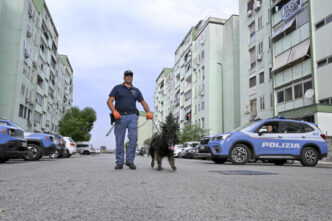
[70, 145]
[177, 150]
[85, 148]
[186, 146]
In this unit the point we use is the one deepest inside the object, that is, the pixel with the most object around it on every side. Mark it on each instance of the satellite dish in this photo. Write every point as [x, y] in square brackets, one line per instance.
[309, 93]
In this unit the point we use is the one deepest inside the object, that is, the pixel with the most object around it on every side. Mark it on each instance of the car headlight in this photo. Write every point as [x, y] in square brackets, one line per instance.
[221, 137]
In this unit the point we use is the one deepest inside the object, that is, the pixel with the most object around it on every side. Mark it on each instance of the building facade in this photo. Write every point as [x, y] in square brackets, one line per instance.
[144, 130]
[36, 83]
[195, 90]
[284, 62]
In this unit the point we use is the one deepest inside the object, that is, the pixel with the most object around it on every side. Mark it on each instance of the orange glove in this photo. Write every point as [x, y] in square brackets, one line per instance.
[116, 114]
[148, 115]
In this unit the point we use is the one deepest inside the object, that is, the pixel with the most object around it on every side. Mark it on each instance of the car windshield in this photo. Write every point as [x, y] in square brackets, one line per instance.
[4, 123]
[245, 127]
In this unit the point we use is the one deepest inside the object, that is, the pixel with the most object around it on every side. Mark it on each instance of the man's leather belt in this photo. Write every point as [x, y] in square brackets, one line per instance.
[127, 112]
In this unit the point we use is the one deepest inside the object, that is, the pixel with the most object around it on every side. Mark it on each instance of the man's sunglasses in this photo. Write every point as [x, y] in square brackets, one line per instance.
[128, 74]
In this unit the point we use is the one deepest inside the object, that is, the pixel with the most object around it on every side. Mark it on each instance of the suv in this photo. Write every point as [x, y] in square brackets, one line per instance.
[37, 144]
[60, 147]
[203, 150]
[85, 148]
[70, 146]
[12, 142]
[277, 140]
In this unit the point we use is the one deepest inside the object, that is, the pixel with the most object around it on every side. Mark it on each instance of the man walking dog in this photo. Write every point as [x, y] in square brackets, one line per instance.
[125, 113]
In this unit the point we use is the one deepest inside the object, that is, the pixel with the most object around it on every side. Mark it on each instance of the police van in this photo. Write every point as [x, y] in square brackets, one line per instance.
[276, 140]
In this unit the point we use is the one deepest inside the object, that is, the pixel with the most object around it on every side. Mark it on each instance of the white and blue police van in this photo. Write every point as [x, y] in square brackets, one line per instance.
[275, 139]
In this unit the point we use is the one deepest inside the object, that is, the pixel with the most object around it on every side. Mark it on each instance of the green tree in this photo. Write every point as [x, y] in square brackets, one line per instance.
[77, 124]
[191, 133]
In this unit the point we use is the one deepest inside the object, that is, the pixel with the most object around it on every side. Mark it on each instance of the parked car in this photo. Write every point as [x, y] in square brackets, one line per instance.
[12, 142]
[277, 140]
[177, 149]
[37, 144]
[60, 147]
[70, 146]
[85, 148]
[186, 146]
[190, 153]
[203, 150]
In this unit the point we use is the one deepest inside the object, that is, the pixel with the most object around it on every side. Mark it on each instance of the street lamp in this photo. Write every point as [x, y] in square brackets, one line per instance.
[222, 91]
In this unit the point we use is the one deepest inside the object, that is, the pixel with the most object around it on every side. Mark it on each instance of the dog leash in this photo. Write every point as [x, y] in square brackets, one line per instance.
[111, 129]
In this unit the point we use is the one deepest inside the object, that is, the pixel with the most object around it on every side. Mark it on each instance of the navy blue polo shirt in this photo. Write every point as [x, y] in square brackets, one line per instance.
[125, 98]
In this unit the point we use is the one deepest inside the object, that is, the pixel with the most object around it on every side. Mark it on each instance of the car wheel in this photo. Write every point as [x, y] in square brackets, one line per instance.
[54, 154]
[219, 161]
[279, 162]
[67, 154]
[309, 157]
[239, 154]
[33, 152]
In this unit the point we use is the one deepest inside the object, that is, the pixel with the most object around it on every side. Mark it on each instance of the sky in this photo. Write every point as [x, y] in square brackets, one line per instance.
[103, 38]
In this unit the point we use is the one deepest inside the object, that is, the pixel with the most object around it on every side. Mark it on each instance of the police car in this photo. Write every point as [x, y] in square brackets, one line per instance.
[276, 140]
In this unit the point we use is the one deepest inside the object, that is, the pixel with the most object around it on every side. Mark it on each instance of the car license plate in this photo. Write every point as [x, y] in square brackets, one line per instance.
[202, 147]
[24, 144]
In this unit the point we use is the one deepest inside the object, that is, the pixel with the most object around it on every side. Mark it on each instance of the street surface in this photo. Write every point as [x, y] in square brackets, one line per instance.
[88, 188]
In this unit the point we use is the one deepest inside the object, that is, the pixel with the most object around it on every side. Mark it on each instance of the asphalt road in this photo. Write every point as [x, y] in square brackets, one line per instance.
[88, 188]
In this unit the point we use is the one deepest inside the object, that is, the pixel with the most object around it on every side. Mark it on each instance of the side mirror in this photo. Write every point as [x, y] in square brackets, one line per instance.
[261, 131]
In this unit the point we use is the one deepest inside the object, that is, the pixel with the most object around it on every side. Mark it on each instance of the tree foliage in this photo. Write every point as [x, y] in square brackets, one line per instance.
[77, 123]
[191, 133]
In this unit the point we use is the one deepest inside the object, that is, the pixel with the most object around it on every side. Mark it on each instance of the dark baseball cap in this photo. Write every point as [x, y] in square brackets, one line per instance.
[128, 73]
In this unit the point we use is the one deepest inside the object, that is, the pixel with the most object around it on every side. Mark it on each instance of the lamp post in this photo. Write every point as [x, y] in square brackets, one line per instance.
[222, 91]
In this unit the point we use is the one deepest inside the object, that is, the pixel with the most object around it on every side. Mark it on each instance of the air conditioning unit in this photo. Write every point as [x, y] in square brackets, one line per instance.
[202, 93]
[26, 53]
[259, 57]
[257, 5]
[249, 13]
[34, 64]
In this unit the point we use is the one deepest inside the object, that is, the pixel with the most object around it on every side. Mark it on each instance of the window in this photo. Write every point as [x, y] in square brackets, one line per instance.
[288, 94]
[280, 97]
[262, 103]
[250, 5]
[38, 117]
[273, 124]
[253, 58]
[260, 48]
[260, 22]
[202, 105]
[261, 78]
[302, 17]
[202, 123]
[22, 89]
[324, 22]
[271, 100]
[187, 95]
[40, 81]
[324, 61]
[269, 42]
[39, 99]
[298, 91]
[252, 82]
[21, 111]
[253, 109]
[307, 85]
[291, 127]
[252, 33]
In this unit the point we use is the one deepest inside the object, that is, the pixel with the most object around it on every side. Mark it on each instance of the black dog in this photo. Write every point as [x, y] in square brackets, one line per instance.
[163, 145]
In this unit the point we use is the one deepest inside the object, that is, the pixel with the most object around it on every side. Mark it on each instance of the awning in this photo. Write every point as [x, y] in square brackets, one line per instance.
[278, 31]
[299, 51]
[284, 27]
[289, 24]
[281, 60]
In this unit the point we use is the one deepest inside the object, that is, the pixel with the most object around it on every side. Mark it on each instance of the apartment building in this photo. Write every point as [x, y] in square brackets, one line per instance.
[36, 83]
[197, 91]
[144, 131]
[285, 64]
[163, 100]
